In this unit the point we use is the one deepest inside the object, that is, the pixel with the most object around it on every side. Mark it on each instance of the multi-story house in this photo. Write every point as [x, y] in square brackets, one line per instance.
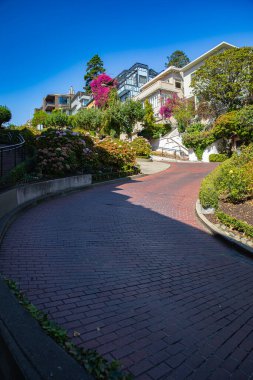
[79, 101]
[130, 81]
[175, 80]
[58, 101]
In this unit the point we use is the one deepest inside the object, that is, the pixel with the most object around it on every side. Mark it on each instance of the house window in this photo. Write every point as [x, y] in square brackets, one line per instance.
[178, 84]
[142, 79]
[154, 101]
[63, 100]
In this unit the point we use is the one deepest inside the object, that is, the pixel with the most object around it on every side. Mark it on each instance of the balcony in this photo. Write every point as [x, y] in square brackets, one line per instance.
[156, 87]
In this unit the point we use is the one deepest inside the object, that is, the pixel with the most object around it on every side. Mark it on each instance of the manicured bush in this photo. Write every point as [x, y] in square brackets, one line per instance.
[155, 131]
[217, 157]
[239, 123]
[231, 181]
[141, 147]
[88, 119]
[62, 152]
[115, 155]
[5, 115]
[208, 194]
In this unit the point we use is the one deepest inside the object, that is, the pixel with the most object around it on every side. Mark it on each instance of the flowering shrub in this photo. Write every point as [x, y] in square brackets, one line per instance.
[166, 110]
[61, 152]
[101, 87]
[115, 154]
[141, 147]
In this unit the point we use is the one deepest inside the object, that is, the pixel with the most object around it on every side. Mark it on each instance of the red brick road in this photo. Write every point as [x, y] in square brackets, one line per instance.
[130, 268]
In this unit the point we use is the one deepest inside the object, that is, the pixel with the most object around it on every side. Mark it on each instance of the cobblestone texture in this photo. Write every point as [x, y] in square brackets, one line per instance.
[130, 268]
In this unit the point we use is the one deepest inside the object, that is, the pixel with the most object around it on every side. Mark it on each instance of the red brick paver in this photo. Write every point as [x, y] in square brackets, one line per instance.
[130, 268]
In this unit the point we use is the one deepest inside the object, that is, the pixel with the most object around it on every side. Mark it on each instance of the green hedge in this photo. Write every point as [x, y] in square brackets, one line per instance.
[234, 223]
[232, 180]
[217, 157]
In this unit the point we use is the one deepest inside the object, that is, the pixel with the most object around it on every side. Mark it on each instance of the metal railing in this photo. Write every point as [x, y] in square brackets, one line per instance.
[12, 151]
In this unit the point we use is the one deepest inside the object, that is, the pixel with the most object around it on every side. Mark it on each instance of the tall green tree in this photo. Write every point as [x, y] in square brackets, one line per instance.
[95, 67]
[39, 118]
[178, 58]
[149, 118]
[58, 119]
[5, 115]
[225, 80]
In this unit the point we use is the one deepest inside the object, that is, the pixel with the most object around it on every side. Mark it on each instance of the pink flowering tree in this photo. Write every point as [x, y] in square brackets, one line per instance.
[166, 111]
[101, 87]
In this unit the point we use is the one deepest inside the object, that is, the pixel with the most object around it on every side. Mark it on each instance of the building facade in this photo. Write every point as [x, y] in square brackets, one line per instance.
[79, 101]
[130, 81]
[52, 102]
[175, 80]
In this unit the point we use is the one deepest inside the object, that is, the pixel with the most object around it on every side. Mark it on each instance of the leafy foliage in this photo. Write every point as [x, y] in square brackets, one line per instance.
[5, 115]
[239, 123]
[141, 147]
[231, 181]
[39, 118]
[95, 67]
[115, 154]
[88, 119]
[61, 153]
[198, 141]
[149, 118]
[178, 58]
[235, 224]
[225, 80]
[217, 157]
[58, 119]
[155, 131]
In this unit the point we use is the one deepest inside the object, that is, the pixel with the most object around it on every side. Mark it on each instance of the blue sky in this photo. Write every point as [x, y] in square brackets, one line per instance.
[46, 44]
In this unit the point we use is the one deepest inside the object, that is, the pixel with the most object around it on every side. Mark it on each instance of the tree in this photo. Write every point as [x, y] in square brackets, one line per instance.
[89, 119]
[149, 118]
[225, 80]
[5, 115]
[39, 118]
[183, 112]
[101, 88]
[133, 112]
[58, 118]
[178, 58]
[95, 67]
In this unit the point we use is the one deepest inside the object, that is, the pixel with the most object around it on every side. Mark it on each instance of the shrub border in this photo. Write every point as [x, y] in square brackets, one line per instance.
[213, 229]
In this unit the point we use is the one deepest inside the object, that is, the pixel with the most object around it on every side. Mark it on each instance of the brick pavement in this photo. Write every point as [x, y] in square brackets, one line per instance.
[130, 268]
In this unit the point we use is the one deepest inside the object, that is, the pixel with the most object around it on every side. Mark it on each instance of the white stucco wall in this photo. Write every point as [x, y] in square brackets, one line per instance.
[211, 149]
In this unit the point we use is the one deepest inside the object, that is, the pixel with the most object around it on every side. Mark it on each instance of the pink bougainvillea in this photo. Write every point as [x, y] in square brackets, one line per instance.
[166, 110]
[101, 87]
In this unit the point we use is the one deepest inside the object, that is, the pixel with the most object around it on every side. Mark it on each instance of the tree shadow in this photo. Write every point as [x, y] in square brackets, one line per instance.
[160, 295]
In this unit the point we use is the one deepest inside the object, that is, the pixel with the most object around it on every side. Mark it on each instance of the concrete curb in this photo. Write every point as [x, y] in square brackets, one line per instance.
[29, 353]
[217, 231]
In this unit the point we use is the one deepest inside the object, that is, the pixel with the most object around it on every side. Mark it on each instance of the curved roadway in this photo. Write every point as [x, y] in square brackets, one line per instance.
[128, 270]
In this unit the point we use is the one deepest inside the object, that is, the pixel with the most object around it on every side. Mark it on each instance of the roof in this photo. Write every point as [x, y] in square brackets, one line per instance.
[207, 54]
[189, 65]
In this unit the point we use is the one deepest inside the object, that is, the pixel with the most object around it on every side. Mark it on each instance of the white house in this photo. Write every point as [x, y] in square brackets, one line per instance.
[171, 81]
[79, 101]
